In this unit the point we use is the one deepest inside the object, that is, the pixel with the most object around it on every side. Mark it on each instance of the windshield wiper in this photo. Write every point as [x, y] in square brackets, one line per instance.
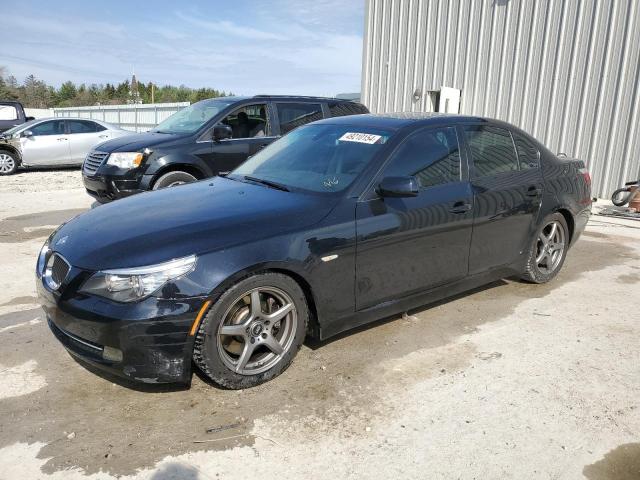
[268, 183]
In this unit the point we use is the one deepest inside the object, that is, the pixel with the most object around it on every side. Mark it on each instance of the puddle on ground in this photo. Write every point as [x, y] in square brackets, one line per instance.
[622, 463]
[34, 225]
[121, 428]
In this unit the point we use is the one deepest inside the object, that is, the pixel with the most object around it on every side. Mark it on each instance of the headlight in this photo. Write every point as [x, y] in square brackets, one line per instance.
[125, 159]
[42, 258]
[131, 284]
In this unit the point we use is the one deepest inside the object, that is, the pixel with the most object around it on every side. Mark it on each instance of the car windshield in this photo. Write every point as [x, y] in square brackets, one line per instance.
[317, 158]
[20, 128]
[191, 118]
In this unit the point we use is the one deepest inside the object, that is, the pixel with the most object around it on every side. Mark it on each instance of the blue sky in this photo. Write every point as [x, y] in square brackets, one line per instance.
[306, 47]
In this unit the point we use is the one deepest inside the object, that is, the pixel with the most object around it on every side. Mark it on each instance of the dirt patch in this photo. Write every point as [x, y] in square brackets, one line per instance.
[116, 429]
[630, 278]
[19, 301]
[622, 463]
[22, 228]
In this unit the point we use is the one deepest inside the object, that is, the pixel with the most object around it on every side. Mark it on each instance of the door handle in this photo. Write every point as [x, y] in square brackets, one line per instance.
[533, 191]
[62, 139]
[103, 136]
[461, 207]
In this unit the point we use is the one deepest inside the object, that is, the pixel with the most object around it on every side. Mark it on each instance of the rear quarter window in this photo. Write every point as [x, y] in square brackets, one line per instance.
[528, 153]
[340, 109]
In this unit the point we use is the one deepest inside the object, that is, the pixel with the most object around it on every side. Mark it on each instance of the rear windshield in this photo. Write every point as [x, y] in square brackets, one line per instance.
[317, 158]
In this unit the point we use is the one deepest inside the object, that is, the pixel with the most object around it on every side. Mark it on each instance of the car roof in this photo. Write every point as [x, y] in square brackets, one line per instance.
[398, 120]
[238, 98]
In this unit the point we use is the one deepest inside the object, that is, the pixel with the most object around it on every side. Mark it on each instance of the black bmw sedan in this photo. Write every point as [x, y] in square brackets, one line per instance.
[339, 223]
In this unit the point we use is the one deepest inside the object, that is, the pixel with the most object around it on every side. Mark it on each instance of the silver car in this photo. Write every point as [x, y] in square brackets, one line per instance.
[53, 142]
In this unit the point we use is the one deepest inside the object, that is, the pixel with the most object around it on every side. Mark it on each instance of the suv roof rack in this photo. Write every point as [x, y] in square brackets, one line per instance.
[262, 95]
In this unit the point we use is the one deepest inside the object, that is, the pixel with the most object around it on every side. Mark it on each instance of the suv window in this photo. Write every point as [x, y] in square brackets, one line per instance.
[248, 121]
[340, 109]
[528, 153]
[432, 156]
[52, 127]
[292, 115]
[8, 112]
[492, 150]
[84, 126]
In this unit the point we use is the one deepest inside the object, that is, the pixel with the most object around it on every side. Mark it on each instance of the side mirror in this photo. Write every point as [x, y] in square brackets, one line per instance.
[28, 119]
[399, 187]
[221, 132]
[27, 134]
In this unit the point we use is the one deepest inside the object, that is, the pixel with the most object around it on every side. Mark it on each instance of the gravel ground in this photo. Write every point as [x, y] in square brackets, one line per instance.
[510, 381]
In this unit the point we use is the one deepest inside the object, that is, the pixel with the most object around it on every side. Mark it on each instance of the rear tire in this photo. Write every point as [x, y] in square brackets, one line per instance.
[8, 163]
[548, 250]
[621, 197]
[253, 331]
[173, 179]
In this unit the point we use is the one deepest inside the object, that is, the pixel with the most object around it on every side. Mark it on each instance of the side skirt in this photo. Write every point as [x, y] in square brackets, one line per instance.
[391, 308]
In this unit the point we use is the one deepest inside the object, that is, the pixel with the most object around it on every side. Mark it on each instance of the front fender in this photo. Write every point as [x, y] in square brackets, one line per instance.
[159, 164]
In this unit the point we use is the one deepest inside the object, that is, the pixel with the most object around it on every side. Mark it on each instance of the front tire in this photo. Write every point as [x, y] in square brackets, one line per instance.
[621, 197]
[8, 163]
[173, 179]
[253, 332]
[548, 250]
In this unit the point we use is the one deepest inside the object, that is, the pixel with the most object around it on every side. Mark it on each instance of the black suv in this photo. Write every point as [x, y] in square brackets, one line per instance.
[207, 138]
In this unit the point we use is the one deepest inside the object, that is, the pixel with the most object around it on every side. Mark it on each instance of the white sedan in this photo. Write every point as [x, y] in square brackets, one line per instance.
[53, 142]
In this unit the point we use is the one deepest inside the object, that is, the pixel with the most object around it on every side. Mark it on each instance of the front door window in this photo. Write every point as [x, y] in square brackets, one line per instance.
[249, 121]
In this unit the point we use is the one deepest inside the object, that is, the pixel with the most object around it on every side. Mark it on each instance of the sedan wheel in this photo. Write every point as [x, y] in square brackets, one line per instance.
[548, 250]
[258, 328]
[8, 164]
[253, 331]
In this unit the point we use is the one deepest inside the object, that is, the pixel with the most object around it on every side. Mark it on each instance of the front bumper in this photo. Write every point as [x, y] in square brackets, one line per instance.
[152, 335]
[105, 188]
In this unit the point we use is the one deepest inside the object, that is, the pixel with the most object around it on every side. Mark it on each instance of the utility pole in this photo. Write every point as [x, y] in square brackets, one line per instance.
[153, 88]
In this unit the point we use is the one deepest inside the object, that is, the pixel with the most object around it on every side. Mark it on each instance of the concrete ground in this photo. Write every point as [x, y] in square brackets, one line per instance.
[511, 381]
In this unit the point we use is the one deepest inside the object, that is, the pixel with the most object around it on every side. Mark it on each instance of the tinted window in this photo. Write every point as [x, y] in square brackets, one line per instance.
[432, 156]
[292, 115]
[249, 121]
[340, 109]
[318, 158]
[53, 127]
[80, 126]
[8, 112]
[492, 150]
[528, 153]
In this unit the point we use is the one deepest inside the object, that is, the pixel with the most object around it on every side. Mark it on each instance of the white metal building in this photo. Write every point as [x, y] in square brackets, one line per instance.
[566, 71]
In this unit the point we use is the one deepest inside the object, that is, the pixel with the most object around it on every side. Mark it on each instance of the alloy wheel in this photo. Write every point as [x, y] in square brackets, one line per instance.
[7, 163]
[550, 247]
[257, 330]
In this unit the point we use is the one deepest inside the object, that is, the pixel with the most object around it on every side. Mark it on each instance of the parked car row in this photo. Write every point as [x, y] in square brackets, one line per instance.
[340, 222]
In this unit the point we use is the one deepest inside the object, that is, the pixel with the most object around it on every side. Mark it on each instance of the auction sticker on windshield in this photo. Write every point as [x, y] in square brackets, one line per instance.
[360, 137]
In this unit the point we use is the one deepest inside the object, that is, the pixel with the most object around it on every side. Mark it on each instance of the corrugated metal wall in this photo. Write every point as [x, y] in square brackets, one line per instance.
[135, 117]
[566, 71]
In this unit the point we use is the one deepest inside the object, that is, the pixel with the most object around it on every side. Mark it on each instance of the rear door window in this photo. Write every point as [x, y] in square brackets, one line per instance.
[340, 109]
[528, 153]
[432, 156]
[83, 126]
[292, 115]
[492, 150]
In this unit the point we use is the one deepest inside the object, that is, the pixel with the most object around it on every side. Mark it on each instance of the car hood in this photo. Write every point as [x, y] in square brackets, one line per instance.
[138, 141]
[157, 226]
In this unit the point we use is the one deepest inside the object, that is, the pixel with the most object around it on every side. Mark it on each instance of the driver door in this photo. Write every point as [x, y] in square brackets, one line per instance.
[413, 244]
[252, 131]
[48, 146]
